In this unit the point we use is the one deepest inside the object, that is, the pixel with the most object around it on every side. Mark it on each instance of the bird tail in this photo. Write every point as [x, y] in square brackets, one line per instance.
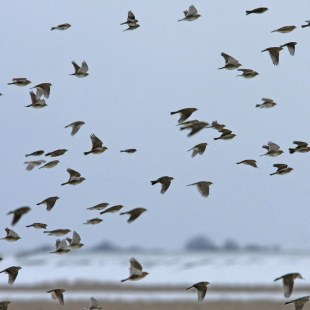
[86, 153]
[291, 151]
[189, 288]
[62, 184]
[216, 138]
[273, 173]
[247, 12]
[238, 163]
[124, 280]
[123, 23]
[11, 83]
[222, 68]
[154, 182]
[303, 26]
[171, 113]
[258, 105]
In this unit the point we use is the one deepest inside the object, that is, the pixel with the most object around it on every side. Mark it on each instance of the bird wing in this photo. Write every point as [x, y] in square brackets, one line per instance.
[134, 214]
[291, 49]
[274, 54]
[76, 66]
[267, 100]
[84, 67]
[203, 188]
[12, 277]
[280, 166]
[131, 16]
[300, 143]
[201, 294]
[299, 304]
[135, 267]
[45, 88]
[191, 11]
[273, 146]
[16, 218]
[93, 303]
[164, 186]
[58, 295]
[73, 173]
[96, 142]
[76, 239]
[11, 233]
[288, 284]
[229, 59]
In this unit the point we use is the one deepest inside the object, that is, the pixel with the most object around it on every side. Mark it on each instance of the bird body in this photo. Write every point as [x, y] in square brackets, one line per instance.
[35, 153]
[19, 82]
[49, 202]
[80, 72]
[135, 271]
[18, 213]
[99, 206]
[93, 221]
[259, 10]
[282, 169]
[57, 294]
[11, 235]
[75, 126]
[201, 288]
[97, 146]
[226, 135]
[75, 178]
[113, 209]
[302, 147]
[61, 27]
[184, 114]
[248, 73]
[198, 149]
[249, 162]
[134, 214]
[230, 62]
[38, 225]
[288, 282]
[57, 232]
[267, 103]
[12, 272]
[203, 187]
[50, 164]
[190, 14]
[129, 151]
[56, 153]
[285, 29]
[165, 182]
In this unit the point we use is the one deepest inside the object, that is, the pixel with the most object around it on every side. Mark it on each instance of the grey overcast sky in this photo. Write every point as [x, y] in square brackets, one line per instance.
[136, 79]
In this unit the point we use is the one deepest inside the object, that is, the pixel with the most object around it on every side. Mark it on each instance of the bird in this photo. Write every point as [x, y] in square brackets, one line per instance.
[184, 114]
[203, 187]
[112, 209]
[198, 149]
[201, 288]
[165, 182]
[57, 294]
[195, 127]
[299, 302]
[288, 282]
[61, 27]
[50, 164]
[129, 151]
[97, 146]
[217, 126]
[94, 305]
[75, 178]
[230, 62]
[282, 169]
[226, 135]
[99, 206]
[36, 101]
[12, 272]
[135, 271]
[33, 163]
[80, 72]
[285, 29]
[93, 221]
[307, 25]
[291, 46]
[18, 213]
[4, 305]
[35, 153]
[190, 14]
[267, 103]
[249, 162]
[57, 232]
[20, 82]
[61, 247]
[56, 153]
[49, 202]
[248, 73]
[274, 53]
[75, 242]
[11, 235]
[273, 149]
[302, 147]
[44, 88]
[134, 214]
[259, 10]
[38, 225]
[75, 126]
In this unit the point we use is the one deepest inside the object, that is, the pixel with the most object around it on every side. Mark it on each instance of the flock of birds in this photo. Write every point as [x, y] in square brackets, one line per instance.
[136, 272]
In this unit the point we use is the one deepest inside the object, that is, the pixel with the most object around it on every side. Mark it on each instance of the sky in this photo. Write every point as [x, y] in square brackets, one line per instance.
[136, 78]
